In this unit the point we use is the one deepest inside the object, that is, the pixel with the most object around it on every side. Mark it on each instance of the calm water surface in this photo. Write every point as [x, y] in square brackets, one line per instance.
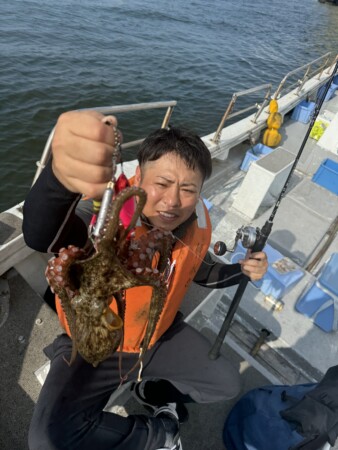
[57, 56]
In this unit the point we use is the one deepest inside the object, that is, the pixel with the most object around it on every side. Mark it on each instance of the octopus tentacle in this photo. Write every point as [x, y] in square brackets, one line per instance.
[158, 295]
[114, 223]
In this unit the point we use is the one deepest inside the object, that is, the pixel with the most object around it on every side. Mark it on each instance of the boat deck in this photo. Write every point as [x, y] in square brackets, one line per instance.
[302, 221]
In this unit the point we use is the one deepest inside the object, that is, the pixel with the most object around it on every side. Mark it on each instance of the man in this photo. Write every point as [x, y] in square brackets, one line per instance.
[173, 165]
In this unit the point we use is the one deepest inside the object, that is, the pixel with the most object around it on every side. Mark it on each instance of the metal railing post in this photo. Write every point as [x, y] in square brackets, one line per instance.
[217, 135]
[167, 117]
[228, 115]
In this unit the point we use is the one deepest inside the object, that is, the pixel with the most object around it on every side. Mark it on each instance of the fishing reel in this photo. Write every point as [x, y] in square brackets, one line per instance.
[249, 236]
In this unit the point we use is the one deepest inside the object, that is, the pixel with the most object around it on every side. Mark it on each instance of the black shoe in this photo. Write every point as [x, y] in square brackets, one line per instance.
[138, 394]
[168, 416]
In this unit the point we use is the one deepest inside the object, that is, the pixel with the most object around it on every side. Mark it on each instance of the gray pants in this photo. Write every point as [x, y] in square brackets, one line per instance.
[68, 414]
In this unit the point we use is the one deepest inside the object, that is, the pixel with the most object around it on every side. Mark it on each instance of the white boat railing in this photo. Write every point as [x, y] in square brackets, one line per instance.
[169, 105]
[227, 115]
[306, 68]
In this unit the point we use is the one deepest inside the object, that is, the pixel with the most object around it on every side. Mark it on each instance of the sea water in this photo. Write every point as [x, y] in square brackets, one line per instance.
[61, 55]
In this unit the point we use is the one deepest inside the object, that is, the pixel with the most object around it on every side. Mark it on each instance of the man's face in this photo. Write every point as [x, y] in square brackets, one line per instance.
[172, 190]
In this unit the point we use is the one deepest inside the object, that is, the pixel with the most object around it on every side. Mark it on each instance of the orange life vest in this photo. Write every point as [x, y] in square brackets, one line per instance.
[187, 255]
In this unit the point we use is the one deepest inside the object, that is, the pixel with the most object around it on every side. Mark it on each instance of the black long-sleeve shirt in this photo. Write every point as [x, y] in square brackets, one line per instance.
[54, 218]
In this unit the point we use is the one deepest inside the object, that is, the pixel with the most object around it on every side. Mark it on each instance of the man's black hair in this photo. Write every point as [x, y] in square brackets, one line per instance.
[180, 142]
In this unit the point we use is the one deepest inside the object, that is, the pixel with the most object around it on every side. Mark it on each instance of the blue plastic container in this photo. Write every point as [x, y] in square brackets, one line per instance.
[318, 301]
[309, 304]
[327, 175]
[330, 92]
[329, 277]
[274, 282]
[253, 154]
[334, 87]
[303, 111]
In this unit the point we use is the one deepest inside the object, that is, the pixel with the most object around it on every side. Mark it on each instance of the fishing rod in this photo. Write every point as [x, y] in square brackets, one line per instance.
[255, 238]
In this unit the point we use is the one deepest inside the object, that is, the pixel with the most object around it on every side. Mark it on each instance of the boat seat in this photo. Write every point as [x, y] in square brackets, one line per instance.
[319, 301]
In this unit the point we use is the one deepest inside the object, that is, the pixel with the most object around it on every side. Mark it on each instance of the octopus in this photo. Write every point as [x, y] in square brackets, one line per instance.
[87, 282]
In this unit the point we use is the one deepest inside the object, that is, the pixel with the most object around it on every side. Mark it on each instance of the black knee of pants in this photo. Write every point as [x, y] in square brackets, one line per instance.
[82, 432]
[106, 432]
